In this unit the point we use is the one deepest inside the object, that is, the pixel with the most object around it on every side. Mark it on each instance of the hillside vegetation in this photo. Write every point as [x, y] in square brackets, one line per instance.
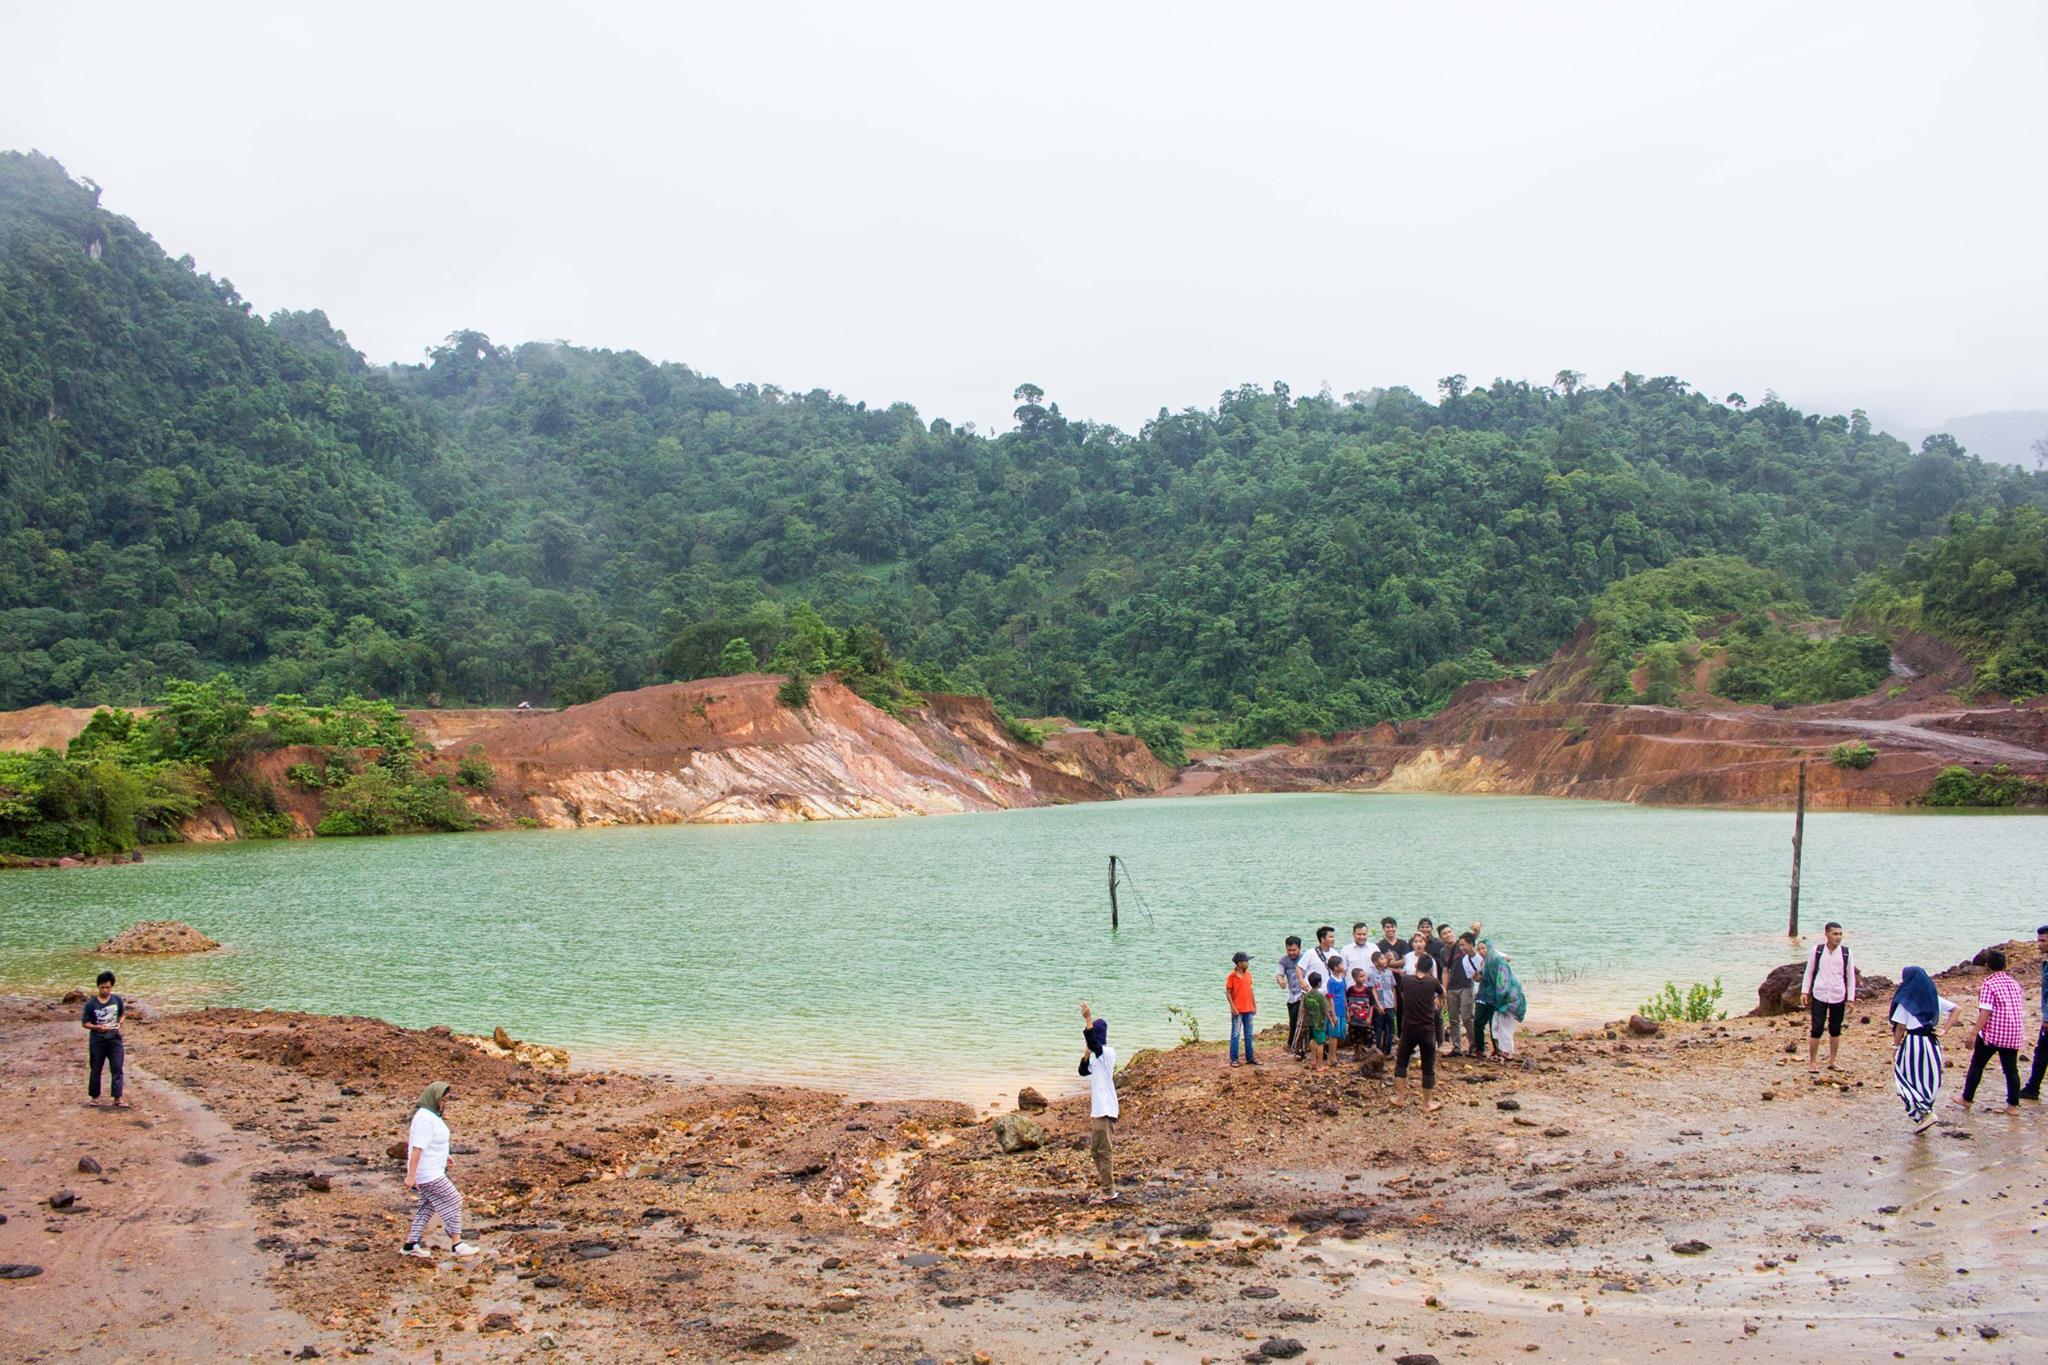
[187, 488]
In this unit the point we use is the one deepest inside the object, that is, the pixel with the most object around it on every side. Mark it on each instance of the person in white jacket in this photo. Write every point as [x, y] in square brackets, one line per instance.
[1098, 1064]
[426, 1170]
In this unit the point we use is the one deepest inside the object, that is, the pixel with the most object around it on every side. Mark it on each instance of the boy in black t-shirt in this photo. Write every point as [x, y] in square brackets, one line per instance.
[102, 1017]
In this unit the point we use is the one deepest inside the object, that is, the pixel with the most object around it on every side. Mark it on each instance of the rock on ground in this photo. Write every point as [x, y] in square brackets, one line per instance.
[158, 936]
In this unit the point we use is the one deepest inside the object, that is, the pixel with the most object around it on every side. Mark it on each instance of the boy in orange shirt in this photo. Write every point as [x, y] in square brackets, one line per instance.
[1237, 989]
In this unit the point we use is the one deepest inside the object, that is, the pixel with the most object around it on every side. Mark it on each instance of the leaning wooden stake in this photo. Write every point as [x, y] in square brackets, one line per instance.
[1798, 835]
[1112, 893]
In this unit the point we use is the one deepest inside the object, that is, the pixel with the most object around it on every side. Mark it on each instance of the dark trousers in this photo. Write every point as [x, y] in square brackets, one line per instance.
[105, 1050]
[2008, 1061]
[2032, 1089]
[1482, 1019]
[1383, 1032]
[1821, 1015]
[1424, 1041]
[1296, 1039]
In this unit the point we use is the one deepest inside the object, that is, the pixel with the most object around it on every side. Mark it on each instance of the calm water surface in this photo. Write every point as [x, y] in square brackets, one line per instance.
[945, 956]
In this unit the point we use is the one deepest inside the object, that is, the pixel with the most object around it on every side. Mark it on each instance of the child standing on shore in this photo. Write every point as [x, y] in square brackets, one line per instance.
[1237, 990]
[102, 1017]
[1315, 1019]
[1358, 1013]
[1339, 1017]
[1382, 980]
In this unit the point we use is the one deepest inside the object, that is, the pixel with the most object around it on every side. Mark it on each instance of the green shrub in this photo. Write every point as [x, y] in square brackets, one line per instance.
[1958, 787]
[1190, 1023]
[253, 805]
[375, 801]
[1854, 754]
[795, 691]
[475, 771]
[1023, 731]
[1164, 738]
[1698, 1005]
[310, 776]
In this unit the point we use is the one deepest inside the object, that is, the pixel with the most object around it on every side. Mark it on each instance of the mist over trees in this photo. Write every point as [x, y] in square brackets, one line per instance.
[187, 488]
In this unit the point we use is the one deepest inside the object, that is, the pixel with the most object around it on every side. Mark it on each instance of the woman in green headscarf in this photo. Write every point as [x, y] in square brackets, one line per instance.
[426, 1170]
[1507, 1005]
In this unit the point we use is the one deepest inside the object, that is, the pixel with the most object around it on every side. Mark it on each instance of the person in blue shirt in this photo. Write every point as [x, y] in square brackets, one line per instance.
[2032, 1089]
[1340, 1018]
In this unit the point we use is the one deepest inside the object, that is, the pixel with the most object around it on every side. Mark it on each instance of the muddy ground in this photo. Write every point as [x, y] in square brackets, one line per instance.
[251, 1208]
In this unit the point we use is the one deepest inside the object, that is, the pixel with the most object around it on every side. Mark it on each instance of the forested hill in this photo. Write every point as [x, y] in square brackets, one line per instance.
[185, 487]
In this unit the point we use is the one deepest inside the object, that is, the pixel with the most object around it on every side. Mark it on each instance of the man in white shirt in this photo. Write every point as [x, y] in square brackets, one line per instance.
[1826, 990]
[1098, 1064]
[1357, 955]
[1321, 957]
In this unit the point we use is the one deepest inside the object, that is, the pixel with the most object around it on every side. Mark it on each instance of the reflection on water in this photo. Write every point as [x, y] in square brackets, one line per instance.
[946, 956]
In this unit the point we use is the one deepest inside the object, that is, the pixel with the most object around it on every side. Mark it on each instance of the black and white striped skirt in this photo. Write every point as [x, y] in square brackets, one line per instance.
[1916, 1073]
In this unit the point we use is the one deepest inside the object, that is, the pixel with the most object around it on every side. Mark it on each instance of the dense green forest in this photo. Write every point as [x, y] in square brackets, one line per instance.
[1652, 632]
[187, 488]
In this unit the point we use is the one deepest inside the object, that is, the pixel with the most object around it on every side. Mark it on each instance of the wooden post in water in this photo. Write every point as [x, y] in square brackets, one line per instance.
[1112, 893]
[1798, 835]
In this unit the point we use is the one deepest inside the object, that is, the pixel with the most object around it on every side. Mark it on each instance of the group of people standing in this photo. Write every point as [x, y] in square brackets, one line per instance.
[1390, 997]
[1920, 1017]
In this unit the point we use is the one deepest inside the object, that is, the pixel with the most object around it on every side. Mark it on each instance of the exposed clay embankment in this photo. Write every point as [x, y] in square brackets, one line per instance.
[718, 751]
[724, 750]
[1494, 738]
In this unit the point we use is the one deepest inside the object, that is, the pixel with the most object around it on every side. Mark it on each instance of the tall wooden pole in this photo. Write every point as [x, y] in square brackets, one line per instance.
[1798, 835]
[1112, 893]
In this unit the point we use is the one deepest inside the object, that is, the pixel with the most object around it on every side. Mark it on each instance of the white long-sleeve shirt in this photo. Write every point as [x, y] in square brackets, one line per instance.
[1831, 977]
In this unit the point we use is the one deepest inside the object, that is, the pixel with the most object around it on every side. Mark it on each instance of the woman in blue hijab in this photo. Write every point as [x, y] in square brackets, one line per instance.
[1919, 1014]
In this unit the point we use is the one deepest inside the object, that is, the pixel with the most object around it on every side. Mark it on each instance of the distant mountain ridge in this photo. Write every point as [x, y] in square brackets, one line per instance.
[2006, 437]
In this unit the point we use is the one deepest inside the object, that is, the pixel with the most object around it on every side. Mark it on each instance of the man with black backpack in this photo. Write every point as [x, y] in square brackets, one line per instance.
[1826, 990]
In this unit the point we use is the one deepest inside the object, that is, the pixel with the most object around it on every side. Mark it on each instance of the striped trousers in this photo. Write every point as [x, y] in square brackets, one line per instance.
[1916, 1073]
[438, 1196]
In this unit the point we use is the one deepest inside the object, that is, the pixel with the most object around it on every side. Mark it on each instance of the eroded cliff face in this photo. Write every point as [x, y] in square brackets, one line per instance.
[725, 751]
[1493, 738]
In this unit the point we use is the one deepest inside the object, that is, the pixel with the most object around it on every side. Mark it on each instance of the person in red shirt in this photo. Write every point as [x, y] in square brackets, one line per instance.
[1237, 989]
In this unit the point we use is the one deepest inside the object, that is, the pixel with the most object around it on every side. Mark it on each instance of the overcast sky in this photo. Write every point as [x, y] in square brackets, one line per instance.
[1133, 206]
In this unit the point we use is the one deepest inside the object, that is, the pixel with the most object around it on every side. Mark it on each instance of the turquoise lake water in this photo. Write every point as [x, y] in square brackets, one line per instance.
[945, 956]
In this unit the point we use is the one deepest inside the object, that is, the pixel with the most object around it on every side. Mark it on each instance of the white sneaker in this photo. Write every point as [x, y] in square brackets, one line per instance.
[467, 1249]
[415, 1249]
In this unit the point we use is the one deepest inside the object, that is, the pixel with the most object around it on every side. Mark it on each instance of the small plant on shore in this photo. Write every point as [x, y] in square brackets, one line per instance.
[1699, 1005]
[1190, 1025]
[795, 692]
[1852, 755]
[1023, 731]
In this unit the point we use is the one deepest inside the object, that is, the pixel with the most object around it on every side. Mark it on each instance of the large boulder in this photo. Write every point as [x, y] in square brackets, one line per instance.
[1016, 1133]
[1779, 994]
[158, 936]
